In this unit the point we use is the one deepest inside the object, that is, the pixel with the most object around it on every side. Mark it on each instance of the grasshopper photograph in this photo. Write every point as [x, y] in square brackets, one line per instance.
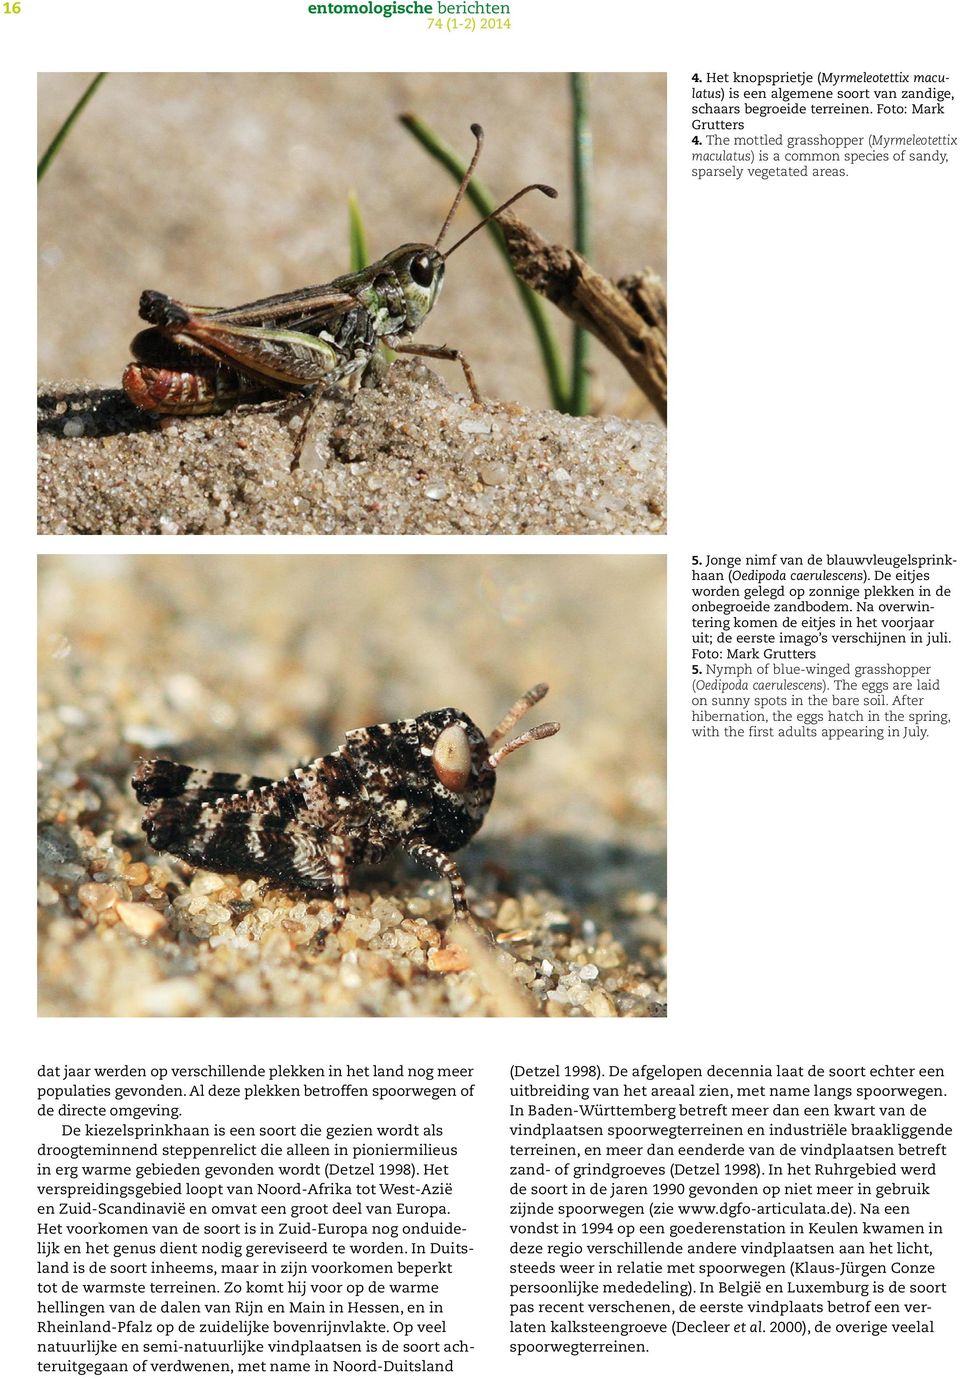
[203, 359]
[247, 809]
[327, 385]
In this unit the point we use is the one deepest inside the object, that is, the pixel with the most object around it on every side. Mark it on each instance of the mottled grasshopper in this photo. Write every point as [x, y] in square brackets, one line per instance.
[422, 784]
[197, 360]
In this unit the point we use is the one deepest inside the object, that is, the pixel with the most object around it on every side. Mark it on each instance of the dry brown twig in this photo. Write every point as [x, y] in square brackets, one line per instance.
[628, 317]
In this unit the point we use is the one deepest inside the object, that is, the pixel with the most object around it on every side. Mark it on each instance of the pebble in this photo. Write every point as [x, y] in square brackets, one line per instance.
[55, 847]
[509, 915]
[449, 959]
[73, 427]
[600, 1005]
[137, 874]
[493, 474]
[141, 919]
[204, 882]
[435, 490]
[98, 897]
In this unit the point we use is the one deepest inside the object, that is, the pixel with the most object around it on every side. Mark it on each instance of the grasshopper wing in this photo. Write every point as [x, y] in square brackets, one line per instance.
[303, 311]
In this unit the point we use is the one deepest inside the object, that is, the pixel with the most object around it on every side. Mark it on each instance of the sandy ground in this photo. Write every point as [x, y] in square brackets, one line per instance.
[408, 457]
[261, 662]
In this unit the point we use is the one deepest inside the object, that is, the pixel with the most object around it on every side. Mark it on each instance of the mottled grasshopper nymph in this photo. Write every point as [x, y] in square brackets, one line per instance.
[197, 360]
[422, 784]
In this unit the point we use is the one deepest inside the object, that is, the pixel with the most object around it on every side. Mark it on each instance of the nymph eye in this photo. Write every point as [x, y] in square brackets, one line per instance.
[421, 270]
[451, 759]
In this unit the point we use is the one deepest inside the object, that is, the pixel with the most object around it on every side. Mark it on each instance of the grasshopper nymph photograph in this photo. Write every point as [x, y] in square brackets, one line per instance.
[393, 303]
[317, 785]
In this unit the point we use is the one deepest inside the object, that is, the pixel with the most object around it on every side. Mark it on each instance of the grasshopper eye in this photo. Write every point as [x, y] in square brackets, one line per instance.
[421, 270]
[452, 759]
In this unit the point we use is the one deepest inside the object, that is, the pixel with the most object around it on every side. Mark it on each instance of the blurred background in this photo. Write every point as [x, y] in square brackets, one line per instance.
[261, 662]
[222, 188]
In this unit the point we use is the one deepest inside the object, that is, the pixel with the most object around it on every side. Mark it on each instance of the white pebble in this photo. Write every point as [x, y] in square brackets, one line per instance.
[206, 883]
[492, 474]
[141, 919]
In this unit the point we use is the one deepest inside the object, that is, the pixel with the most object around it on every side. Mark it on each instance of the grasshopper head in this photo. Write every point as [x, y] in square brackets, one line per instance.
[419, 269]
[462, 762]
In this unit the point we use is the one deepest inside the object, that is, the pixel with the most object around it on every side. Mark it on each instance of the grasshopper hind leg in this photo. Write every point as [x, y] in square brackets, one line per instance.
[440, 351]
[170, 380]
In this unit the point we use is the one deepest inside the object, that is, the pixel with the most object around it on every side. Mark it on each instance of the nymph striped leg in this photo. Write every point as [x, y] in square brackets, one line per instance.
[336, 857]
[435, 860]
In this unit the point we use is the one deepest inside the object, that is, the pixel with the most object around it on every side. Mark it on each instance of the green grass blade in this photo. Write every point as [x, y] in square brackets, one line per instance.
[582, 167]
[359, 256]
[480, 197]
[61, 134]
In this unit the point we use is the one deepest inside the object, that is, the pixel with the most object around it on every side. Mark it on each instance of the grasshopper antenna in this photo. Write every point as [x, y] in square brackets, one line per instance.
[519, 709]
[477, 131]
[534, 186]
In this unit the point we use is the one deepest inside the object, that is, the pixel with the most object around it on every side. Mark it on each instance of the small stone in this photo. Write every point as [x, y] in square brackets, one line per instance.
[449, 959]
[493, 473]
[137, 874]
[73, 427]
[97, 897]
[435, 490]
[206, 883]
[589, 972]
[47, 895]
[475, 428]
[508, 915]
[600, 1005]
[387, 914]
[55, 847]
[141, 919]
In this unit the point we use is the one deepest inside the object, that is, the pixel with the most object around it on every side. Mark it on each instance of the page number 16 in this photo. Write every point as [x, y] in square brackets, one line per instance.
[11, 7]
